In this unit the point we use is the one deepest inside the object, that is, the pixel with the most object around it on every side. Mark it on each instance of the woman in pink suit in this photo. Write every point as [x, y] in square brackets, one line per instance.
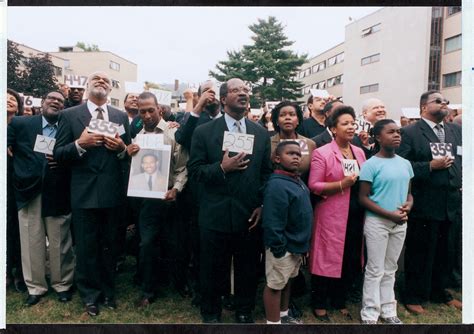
[336, 254]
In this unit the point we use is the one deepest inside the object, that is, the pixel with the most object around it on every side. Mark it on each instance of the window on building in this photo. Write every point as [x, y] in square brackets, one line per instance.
[301, 74]
[370, 59]
[369, 88]
[340, 58]
[115, 102]
[67, 63]
[306, 89]
[452, 79]
[453, 10]
[452, 44]
[315, 68]
[307, 72]
[115, 66]
[331, 61]
[115, 83]
[334, 81]
[370, 30]
[322, 84]
[319, 66]
[314, 86]
[58, 71]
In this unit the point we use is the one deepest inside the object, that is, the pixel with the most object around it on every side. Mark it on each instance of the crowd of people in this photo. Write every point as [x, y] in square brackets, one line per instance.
[310, 198]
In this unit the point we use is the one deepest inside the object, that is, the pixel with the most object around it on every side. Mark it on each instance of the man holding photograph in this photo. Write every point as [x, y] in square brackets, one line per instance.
[153, 211]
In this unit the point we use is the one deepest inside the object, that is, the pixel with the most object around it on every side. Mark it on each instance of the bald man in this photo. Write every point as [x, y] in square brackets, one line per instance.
[97, 190]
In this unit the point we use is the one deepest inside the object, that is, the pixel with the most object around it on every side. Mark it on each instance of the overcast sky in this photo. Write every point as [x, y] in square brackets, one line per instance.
[170, 43]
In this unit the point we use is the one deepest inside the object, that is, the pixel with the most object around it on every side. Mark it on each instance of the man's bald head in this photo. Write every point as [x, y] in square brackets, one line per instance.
[373, 110]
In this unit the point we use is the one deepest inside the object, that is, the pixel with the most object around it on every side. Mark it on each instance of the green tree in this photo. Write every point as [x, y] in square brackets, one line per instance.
[15, 58]
[39, 75]
[88, 47]
[268, 64]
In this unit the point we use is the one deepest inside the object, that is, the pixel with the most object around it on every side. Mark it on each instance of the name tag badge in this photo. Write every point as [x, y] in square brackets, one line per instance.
[103, 127]
[238, 142]
[44, 144]
[303, 145]
[350, 167]
[459, 150]
[441, 150]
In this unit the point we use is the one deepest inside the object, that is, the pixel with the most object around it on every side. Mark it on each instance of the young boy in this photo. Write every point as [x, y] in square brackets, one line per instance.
[287, 219]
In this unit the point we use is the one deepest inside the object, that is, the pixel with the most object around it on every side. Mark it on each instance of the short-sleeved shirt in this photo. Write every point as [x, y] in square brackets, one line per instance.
[390, 178]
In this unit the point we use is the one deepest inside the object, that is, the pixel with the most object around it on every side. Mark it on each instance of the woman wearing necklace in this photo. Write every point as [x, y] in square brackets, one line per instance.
[286, 116]
[336, 254]
[385, 193]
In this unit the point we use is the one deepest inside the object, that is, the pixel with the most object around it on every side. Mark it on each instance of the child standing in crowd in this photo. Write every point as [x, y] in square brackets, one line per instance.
[287, 221]
[385, 193]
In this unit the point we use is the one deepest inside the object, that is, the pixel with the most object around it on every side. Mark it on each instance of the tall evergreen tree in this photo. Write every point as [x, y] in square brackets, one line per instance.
[15, 57]
[267, 64]
[39, 75]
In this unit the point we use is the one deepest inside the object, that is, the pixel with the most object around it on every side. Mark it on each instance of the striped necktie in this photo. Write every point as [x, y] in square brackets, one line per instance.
[439, 132]
[100, 113]
[238, 127]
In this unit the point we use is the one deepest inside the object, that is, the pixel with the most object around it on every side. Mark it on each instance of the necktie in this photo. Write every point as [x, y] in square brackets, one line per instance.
[238, 127]
[52, 130]
[439, 132]
[100, 114]
[149, 183]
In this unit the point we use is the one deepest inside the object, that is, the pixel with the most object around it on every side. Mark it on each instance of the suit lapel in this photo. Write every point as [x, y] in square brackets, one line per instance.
[428, 132]
[84, 115]
[449, 136]
[113, 116]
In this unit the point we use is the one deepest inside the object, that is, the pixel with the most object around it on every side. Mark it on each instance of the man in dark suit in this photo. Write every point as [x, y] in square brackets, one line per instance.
[42, 195]
[230, 205]
[436, 190]
[97, 189]
[326, 136]
[206, 109]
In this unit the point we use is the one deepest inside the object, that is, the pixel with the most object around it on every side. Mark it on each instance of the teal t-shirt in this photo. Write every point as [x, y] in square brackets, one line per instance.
[390, 178]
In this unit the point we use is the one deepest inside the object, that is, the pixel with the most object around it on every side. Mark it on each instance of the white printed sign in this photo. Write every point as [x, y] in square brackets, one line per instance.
[350, 167]
[163, 96]
[362, 125]
[75, 81]
[271, 104]
[44, 144]
[30, 101]
[134, 87]
[441, 150]
[238, 142]
[322, 93]
[303, 145]
[103, 127]
[459, 150]
[149, 140]
[256, 112]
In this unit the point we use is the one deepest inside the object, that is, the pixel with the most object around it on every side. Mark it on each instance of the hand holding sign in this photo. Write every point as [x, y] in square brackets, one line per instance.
[350, 167]
[362, 125]
[88, 140]
[442, 163]
[441, 150]
[238, 142]
[114, 144]
[237, 162]
[348, 181]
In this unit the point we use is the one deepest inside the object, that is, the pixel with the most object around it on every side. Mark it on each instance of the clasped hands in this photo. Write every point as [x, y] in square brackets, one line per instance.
[91, 140]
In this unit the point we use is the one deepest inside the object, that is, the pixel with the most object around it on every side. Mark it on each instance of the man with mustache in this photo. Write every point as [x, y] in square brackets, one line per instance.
[230, 206]
[97, 189]
[74, 98]
[42, 197]
[130, 104]
[436, 212]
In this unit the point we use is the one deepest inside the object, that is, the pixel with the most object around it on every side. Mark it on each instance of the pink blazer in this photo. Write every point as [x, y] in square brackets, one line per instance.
[331, 213]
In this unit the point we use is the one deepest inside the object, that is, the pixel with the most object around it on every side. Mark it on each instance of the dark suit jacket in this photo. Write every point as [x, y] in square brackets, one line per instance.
[322, 139]
[436, 194]
[97, 176]
[228, 200]
[31, 173]
[189, 123]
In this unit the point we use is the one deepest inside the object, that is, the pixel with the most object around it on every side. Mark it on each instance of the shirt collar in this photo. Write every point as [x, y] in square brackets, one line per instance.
[92, 106]
[289, 174]
[161, 127]
[432, 124]
[231, 123]
[46, 123]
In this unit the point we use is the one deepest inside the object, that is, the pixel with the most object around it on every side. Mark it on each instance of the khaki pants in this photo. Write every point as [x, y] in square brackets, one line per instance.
[33, 232]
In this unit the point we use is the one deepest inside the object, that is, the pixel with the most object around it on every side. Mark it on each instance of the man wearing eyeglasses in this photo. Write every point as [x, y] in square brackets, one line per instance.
[230, 206]
[42, 196]
[434, 149]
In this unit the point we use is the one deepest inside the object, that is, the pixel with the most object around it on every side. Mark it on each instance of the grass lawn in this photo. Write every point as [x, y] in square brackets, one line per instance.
[172, 308]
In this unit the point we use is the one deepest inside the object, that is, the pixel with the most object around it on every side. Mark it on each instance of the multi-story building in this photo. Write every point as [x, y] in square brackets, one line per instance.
[394, 54]
[82, 63]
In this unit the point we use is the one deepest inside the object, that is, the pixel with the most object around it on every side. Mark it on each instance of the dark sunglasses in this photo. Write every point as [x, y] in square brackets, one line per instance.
[439, 101]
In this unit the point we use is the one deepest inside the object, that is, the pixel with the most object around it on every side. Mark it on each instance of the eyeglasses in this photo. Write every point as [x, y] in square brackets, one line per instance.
[439, 101]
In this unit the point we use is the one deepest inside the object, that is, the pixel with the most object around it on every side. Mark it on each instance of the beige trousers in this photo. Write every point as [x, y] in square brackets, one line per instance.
[33, 232]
